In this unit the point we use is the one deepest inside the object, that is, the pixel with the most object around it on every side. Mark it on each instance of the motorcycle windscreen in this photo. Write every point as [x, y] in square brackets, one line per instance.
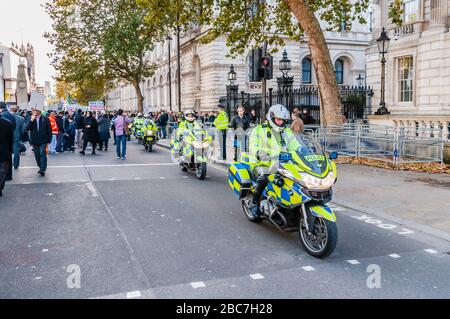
[311, 154]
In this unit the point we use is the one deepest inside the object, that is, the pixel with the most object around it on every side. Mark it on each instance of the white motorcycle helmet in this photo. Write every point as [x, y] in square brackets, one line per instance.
[278, 117]
[139, 114]
[187, 114]
[146, 116]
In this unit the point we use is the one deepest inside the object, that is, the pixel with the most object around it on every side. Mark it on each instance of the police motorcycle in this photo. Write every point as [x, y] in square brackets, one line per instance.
[137, 124]
[191, 146]
[149, 131]
[296, 196]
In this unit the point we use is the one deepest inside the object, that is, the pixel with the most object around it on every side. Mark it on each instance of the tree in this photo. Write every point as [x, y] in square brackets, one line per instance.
[251, 23]
[99, 41]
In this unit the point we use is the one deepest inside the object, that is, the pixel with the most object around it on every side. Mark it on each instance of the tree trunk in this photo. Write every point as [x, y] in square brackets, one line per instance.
[330, 99]
[140, 97]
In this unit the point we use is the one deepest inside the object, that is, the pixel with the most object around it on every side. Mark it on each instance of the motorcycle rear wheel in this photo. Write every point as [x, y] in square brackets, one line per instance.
[324, 242]
[248, 213]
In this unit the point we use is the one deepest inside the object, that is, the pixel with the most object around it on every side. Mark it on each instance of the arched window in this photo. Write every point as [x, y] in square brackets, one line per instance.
[306, 70]
[339, 69]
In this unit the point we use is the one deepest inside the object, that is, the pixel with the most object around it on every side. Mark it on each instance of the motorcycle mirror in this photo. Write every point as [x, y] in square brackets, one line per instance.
[333, 155]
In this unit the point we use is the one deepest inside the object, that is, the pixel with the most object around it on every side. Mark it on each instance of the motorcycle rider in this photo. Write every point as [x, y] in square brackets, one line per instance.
[266, 142]
[148, 125]
[137, 123]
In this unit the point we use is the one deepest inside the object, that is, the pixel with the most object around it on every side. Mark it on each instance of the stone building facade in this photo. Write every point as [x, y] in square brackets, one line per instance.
[205, 67]
[17, 73]
[417, 68]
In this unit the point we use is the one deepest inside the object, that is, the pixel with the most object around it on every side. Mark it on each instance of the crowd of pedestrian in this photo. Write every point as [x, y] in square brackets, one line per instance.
[50, 133]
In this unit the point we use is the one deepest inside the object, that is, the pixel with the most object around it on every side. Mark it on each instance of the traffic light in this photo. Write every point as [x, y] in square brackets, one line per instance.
[266, 70]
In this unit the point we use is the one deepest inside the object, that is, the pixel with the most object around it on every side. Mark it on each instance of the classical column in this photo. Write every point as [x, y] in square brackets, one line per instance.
[439, 13]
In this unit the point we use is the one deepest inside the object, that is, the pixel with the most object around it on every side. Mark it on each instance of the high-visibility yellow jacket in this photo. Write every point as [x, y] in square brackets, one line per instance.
[264, 139]
[221, 121]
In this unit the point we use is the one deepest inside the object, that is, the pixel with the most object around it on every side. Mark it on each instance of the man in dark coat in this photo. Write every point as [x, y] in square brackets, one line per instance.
[8, 116]
[18, 134]
[90, 133]
[163, 119]
[240, 124]
[104, 124]
[79, 124]
[6, 148]
[40, 137]
[60, 136]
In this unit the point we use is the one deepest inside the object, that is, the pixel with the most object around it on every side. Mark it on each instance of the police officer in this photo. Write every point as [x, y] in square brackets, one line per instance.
[266, 142]
[221, 124]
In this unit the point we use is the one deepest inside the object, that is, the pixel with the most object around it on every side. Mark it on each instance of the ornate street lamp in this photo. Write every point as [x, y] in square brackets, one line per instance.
[232, 90]
[285, 64]
[285, 82]
[359, 80]
[383, 47]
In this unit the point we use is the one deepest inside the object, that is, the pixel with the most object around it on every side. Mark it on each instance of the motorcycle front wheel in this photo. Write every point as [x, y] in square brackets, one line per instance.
[323, 242]
[150, 147]
[200, 171]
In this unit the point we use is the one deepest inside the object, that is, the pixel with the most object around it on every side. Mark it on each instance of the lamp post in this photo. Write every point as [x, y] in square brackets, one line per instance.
[383, 46]
[168, 38]
[285, 82]
[232, 90]
[359, 80]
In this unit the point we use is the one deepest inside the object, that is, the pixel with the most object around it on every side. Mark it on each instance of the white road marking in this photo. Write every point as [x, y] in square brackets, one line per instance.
[256, 276]
[50, 194]
[198, 284]
[105, 165]
[308, 268]
[431, 251]
[137, 179]
[38, 278]
[133, 294]
[92, 189]
[394, 255]
[353, 262]
[162, 178]
[44, 250]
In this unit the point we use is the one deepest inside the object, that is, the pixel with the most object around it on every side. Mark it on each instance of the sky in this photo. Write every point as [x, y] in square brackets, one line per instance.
[27, 19]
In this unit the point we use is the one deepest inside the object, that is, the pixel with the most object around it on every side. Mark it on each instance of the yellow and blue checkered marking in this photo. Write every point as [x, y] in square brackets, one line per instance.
[324, 212]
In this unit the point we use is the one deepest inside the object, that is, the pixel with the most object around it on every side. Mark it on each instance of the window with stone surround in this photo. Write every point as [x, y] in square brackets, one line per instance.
[306, 71]
[411, 10]
[405, 78]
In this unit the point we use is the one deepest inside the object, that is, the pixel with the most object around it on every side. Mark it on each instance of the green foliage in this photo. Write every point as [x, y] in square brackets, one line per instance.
[98, 41]
[395, 12]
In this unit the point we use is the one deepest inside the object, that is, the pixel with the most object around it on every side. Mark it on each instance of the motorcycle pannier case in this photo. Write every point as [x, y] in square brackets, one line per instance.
[239, 179]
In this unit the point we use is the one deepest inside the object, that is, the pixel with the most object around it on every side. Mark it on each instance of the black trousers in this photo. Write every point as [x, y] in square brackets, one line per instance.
[85, 143]
[4, 169]
[103, 143]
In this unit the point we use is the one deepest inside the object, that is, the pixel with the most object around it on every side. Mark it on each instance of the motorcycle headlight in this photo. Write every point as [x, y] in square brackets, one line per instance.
[150, 133]
[317, 183]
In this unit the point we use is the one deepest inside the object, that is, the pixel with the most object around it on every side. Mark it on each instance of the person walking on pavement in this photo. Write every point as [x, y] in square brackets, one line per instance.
[240, 124]
[8, 116]
[55, 130]
[163, 119]
[6, 148]
[90, 133]
[18, 134]
[60, 135]
[221, 124]
[79, 124]
[121, 127]
[297, 123]
[103, 129]
[40, 137]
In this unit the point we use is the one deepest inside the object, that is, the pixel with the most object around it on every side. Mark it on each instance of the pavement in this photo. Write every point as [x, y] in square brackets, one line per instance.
[97, 227]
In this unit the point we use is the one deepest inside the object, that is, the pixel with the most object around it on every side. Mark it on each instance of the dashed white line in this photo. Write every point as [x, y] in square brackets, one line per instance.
[38, 278]
[431, 251]
[353, 262]
[256, 276]
[308, 268]
[44, 250]
[394, 256]
[133, 294]
[198, 284]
